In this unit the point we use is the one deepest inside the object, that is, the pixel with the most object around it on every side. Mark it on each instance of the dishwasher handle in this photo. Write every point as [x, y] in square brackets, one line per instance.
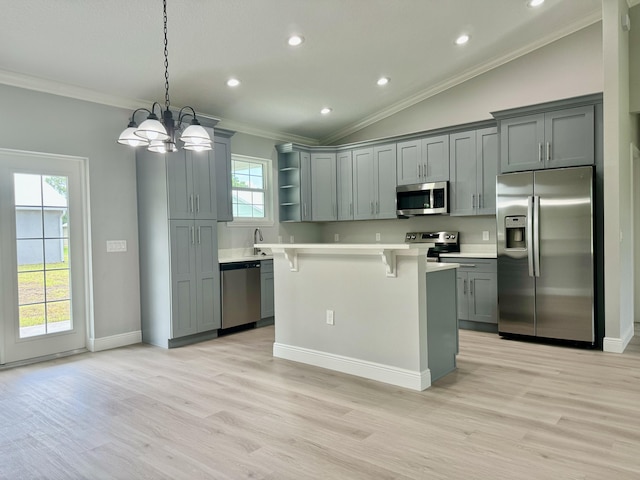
[238, 265]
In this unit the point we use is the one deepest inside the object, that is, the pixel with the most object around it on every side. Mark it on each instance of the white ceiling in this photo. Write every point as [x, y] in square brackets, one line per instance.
[111, 51]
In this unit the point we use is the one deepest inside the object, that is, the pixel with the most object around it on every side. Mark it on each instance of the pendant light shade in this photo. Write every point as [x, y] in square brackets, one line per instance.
[159, 135]
[151, 129]
[128, 137]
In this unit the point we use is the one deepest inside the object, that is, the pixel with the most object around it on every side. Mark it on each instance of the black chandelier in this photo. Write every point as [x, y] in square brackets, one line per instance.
[160, 136]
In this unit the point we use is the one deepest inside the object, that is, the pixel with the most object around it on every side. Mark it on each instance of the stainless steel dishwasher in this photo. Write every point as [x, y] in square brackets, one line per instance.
[240, 283]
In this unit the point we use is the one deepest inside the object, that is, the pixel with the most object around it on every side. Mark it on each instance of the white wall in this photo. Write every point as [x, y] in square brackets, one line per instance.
[634, 60]
[569, 67]
[40, 122]
[619, 266]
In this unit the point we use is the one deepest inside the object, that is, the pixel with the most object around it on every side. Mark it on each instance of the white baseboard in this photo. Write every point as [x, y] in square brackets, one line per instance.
[114, 341]
[400, 377]
[617, 345]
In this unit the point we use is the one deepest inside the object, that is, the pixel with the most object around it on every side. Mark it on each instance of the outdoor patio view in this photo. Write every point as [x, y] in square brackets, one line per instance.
[42, 247]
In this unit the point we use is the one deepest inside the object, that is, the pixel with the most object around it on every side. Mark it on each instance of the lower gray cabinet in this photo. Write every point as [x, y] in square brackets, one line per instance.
[195, 277]
[477, 286]
[266, 288]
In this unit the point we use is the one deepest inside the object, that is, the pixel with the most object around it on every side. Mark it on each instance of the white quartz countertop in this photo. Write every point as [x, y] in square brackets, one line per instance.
[473, 251]
[438, 267]
[343, 246]
[243, 255]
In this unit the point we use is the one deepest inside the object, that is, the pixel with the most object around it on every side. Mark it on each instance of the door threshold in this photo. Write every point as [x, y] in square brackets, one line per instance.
[44, 358]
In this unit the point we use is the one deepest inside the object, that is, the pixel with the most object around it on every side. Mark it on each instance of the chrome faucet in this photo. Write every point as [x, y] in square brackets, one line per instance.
[257, 234]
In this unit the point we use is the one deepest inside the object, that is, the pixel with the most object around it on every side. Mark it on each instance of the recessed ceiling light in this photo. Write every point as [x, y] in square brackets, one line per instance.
[295, 40]
[233, 82]
[326, 111]
[462, 39]
[535, 3]
[383, 81]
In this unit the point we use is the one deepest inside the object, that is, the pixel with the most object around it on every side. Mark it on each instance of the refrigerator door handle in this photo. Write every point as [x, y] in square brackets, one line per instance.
[530, 235]
[536, 235]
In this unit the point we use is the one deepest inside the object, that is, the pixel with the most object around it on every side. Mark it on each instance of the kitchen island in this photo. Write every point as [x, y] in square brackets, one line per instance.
[379, 311]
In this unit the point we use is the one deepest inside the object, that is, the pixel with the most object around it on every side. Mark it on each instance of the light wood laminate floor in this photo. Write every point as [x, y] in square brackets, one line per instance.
[226, 409]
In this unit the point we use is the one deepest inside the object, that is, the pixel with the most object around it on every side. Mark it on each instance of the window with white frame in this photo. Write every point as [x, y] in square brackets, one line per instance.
[251, 190]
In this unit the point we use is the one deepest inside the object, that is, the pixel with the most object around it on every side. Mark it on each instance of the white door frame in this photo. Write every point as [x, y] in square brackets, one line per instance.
[36, 162]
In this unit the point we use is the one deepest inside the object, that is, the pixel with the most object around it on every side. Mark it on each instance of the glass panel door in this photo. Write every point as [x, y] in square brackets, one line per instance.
[42, 245]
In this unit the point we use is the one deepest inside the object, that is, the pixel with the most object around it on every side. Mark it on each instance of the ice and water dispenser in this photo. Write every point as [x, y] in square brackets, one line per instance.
[515, 230]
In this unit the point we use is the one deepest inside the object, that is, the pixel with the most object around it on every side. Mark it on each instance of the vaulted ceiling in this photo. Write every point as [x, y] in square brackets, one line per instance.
[112, 52]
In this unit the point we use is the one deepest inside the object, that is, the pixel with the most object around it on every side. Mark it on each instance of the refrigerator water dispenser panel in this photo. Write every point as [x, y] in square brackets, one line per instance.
[515, 229]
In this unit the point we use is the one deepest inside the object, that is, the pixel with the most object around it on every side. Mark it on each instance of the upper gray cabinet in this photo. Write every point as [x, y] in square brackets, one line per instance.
[323, 187]
[345, 185]
[222, 156]
[294, 184]
[423, 160]
[557, 138]
[374, 182]
[191, 183]
[473, 169]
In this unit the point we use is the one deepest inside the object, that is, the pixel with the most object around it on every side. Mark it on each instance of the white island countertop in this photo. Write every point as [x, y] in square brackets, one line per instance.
[387, 251]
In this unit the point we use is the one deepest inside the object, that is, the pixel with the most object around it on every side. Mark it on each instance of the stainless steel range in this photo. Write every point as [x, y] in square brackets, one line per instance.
[444, 242]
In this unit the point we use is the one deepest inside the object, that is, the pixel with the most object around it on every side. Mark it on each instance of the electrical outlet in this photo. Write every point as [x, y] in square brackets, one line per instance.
[116, 246]
[336, 237]
[330, 319]
[377, 237]
[485, 235]
[291, 239]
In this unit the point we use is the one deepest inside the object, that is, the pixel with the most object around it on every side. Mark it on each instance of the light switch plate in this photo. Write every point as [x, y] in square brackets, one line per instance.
[377, 237]
[336, 237]
[116, 246]
[485, 235]
[330, 318]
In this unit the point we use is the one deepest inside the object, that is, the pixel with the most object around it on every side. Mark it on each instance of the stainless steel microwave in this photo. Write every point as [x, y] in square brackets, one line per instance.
[422, 199]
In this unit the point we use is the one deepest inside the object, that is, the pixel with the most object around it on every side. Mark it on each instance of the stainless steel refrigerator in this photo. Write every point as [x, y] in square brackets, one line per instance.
[546, 254]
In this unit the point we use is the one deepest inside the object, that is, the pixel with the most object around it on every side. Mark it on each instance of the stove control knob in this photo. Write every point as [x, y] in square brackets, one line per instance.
[452, 237]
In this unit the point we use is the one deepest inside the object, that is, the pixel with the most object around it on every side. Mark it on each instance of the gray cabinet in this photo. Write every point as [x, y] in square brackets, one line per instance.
[473, 169]
[323, 187]
[477, 292]
[423, 160]
[294, 185]
[179, 271]
[222, 156]
[266, 289]
[345, 185]
[374, 182]
[558, 138]
[191, 178]
[195, 279]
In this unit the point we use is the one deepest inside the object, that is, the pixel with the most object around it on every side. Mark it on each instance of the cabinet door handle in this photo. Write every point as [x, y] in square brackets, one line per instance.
[480, 200]
[191, 203]
[548, 151]
[351, 208]
[468, 265]
[193, 236]
[540, 152]
[418, 170]
[473, 201]
[199, 236]
[197, 203]
[471, 282]
[371, 207]
[464, 287]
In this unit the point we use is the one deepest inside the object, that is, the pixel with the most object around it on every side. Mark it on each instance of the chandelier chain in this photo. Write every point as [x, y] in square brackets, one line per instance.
[166, 59]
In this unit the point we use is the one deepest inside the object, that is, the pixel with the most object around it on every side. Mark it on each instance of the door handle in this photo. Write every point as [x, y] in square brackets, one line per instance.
[529, 227]
[536, 235]
[193, 236]
[479, 200]
[468, 265]
[199, 236]
[197, 203]
[371, 207]
[473, 201]
[471, 282]
[540, 152]
[191, 203]
[418, 170]
[464, 287]
[548, 151]
[377, 207]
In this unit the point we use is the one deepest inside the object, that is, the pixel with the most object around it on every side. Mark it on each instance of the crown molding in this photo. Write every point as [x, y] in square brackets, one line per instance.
[80, 93]
[584, 22]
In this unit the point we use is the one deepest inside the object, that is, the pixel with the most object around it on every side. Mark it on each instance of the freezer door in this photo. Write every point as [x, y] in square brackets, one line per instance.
[564, 287]
[516, 288]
